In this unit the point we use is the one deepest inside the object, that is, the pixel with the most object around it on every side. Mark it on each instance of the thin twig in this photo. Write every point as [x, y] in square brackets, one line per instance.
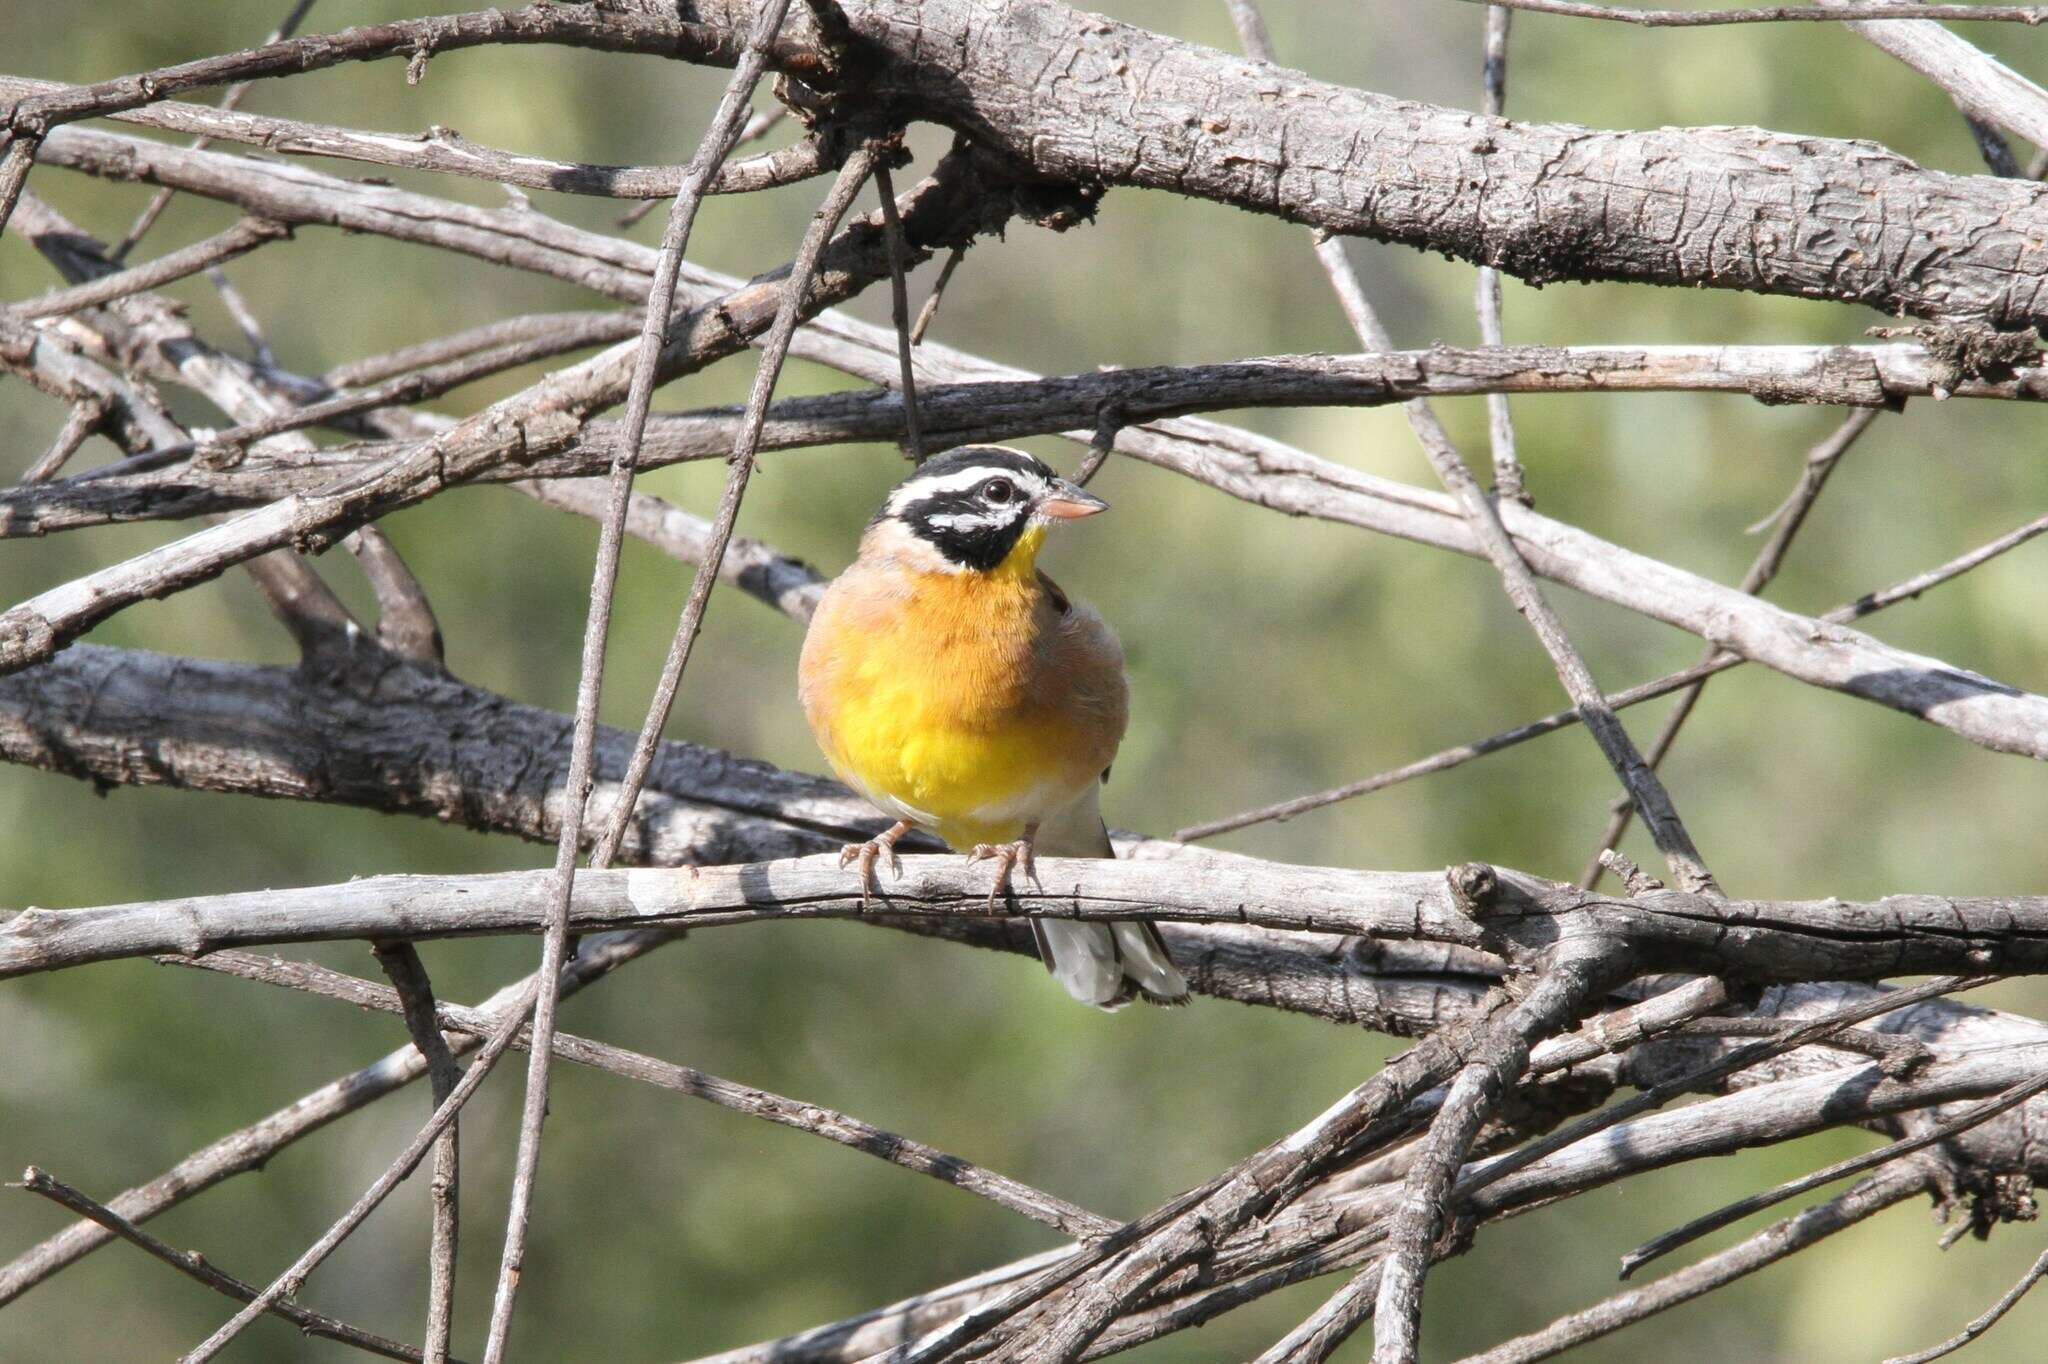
[1991, 144]
[725, 125]
[1973, 1116]
[1713, 1072]
[20, 154]
[1774, 1243]
[1108, 422]
[38, 1181]
[815, 1119]
[1189, 1225]
[243, 237]
[288, 1283]
[773, 578]
[414, 996]
[1482, 516]
[1445, 759]
[899, 310]
[1508, 478]
[228, 102]
[84, 418]
[930, 309]
[1776, 14]
[1790, 515]
[774, 350]
[591, 327]
[1990, 94]
[146, 325]
[405, 618]
[252, 1147]
[2035, 1273]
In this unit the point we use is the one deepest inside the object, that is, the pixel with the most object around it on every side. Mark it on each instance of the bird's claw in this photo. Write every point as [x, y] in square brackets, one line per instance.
[869, 853]
[1007, 856]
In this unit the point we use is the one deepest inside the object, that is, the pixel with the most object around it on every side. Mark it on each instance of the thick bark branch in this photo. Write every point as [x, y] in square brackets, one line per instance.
[1743, 208]
[1739, 208]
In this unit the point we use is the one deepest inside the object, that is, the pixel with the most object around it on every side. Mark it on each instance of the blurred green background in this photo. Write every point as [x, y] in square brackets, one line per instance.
[1268, 657]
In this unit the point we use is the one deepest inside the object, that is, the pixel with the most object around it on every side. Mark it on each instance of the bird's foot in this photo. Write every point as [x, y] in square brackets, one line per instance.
[1007, 857]
[871, 852]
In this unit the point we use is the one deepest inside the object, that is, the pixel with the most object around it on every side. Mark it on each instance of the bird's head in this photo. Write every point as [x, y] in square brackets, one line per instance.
[977, 509]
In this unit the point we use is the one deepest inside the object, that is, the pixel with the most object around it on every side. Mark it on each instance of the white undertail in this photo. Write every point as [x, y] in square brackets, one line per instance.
[1106, 965]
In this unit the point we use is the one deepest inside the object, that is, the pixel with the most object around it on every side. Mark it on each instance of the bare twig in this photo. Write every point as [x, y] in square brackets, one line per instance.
[1418, 1220]
[1987, 90]
[147, 325]
[229, 99]
[1484, 520]
[1777, 14]
[288, 1283]
[1108, 422]
[899, 310]
[1962, 1122]
[999, 407]
[19, 155]
[414, 997]
[251, 1147]
[446, 151]
[587, 327]
[1790, 515]
[725, 124]
[84, 418]
[243, 237]
[930, 309]
[852, 176]
[802, 1116]
[1774, 1243]
[1508, 480]
[1868, 604]
[1713, 1072]
[2035, 1273]
[405, 618]
[39, 1181]
[58, 366]
[758, 569]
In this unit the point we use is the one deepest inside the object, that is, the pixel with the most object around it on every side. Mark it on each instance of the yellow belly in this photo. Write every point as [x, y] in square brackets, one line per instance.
[927, 694]
[901, 742]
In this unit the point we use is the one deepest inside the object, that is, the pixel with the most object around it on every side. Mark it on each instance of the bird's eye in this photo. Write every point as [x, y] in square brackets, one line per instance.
[997, 491]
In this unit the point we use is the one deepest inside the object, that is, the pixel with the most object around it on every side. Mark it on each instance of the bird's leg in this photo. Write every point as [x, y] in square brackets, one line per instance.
[1007, 856]
[870, 852]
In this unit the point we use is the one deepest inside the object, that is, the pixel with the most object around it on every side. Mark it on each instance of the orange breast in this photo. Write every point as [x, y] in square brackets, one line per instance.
[950, 699]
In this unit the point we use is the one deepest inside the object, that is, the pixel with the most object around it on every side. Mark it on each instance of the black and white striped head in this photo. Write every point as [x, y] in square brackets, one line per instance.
[974, 506]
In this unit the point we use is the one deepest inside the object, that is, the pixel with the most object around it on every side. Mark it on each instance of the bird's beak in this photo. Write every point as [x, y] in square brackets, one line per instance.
[1069, 502]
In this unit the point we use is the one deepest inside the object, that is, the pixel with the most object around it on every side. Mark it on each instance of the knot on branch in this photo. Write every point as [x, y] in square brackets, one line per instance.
[1994, 1198]
[1969, 350]
[1475, 887]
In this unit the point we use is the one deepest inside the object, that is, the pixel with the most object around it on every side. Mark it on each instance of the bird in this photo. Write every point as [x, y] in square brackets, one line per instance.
[953, 684]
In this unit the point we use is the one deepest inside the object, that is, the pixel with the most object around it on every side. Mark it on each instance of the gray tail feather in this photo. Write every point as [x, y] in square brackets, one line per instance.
[1104, 964]
[1109, 965]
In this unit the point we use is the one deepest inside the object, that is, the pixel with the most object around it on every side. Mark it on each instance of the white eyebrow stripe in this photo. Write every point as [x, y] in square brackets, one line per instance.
[955, 520]
[964, 480]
